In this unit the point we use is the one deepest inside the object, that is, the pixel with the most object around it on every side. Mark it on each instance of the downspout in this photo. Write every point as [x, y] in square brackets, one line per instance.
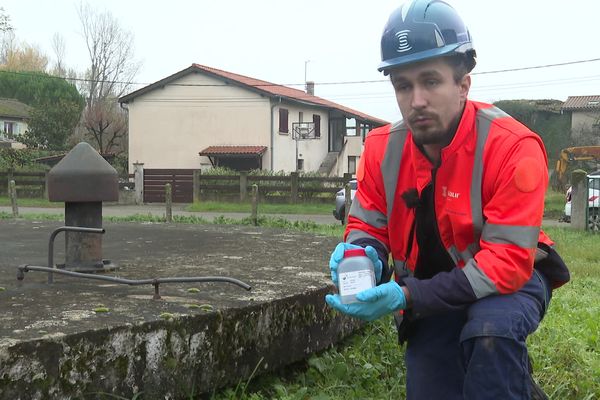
[273, 105]
[125, 106]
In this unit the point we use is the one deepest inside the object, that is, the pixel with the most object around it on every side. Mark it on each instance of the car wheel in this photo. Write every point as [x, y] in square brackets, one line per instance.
[594, 220]
[342, 215]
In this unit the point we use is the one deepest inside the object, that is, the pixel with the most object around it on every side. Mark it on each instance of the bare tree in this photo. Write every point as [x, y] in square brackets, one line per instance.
[59, 66]
[7, 36]
[110, 49]
[107, 125]
[59, 48]
[111, 70]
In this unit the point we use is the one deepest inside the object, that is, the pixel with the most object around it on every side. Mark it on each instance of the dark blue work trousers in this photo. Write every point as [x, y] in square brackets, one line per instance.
[479, 353]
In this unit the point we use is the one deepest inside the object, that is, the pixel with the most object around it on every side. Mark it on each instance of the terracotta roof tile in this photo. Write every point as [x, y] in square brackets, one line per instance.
[285, 91]
[575, 103]
[228, 150]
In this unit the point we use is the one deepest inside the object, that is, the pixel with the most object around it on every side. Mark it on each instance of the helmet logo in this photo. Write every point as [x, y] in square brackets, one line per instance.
[403, 44]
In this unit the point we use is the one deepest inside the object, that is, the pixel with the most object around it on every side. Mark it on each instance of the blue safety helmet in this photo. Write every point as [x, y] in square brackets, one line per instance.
[420, 30]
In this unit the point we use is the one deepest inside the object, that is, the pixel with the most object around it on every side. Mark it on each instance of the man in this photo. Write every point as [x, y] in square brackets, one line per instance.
[454, 195]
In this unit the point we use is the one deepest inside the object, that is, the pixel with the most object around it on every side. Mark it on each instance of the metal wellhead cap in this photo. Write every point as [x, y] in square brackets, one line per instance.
[83, 175]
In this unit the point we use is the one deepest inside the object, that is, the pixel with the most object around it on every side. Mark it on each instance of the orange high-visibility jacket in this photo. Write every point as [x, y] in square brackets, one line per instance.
[488, 193]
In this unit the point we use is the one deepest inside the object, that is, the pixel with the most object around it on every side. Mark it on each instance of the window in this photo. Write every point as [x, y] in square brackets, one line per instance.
[283, 120]
[351, 164]
[317, 122]
[364, 129]
[9, 127]
[300, 165]
[350, 127]
[300, 116]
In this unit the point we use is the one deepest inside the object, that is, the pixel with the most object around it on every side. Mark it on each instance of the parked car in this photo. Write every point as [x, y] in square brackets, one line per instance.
[593, 202]
[339, 212]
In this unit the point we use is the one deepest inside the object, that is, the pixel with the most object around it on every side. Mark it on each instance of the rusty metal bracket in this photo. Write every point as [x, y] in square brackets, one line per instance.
[51, 269]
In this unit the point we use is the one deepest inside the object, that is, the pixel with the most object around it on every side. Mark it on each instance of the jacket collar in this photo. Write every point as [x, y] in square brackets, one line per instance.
[423, 166]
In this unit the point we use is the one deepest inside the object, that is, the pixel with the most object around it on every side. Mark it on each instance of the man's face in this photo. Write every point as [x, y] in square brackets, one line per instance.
[430, 101]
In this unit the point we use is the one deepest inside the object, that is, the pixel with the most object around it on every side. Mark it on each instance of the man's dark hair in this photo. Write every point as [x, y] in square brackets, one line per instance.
[461, 64]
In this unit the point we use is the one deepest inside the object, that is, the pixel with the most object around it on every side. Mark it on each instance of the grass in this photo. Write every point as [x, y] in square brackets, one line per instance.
[26, 202]
[264, 208]
[208, 206]
[553, 207]
[554, 204]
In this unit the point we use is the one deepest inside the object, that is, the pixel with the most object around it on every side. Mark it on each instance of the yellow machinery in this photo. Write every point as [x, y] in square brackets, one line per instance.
[569, 156]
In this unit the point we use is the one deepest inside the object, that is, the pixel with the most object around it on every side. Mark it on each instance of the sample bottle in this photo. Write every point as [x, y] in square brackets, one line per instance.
[355, 274]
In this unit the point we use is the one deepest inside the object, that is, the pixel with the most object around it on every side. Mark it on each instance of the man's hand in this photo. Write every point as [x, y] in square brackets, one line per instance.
[338, 255]
[373, 303]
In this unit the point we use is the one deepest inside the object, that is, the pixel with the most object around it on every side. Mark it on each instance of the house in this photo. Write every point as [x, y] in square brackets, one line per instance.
[13, 122]
[201, 117]
[585, 118]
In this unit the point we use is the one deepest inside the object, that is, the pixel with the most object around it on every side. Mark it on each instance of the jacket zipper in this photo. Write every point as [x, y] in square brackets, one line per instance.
[435, 220]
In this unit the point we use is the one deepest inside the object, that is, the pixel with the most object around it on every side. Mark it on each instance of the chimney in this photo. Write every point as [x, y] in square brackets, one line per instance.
[310, 88]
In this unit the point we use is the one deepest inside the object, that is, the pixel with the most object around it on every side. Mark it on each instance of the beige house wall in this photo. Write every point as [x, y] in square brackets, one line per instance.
[312, 151]
[353, 147]
[582, 122]
[170, 126]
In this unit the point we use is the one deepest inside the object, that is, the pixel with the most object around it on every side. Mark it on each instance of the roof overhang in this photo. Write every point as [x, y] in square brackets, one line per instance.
[233, 151]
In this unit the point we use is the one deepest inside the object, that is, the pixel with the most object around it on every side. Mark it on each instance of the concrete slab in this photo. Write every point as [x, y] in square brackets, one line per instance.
[55, 341]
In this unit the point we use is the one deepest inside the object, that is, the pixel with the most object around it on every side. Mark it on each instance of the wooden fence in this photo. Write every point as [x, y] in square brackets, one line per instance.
[277, 189]
[28, 184]
[280, 188]
[33, 184]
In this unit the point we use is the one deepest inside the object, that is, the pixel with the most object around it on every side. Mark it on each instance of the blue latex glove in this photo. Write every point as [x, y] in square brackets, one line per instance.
[373, 303]
[338, 255]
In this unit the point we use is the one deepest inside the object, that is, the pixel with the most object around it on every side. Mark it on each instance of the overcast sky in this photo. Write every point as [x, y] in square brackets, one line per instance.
[273, 40]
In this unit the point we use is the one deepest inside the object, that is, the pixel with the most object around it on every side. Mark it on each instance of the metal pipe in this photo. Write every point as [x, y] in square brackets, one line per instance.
[132, 282]
[51, 244]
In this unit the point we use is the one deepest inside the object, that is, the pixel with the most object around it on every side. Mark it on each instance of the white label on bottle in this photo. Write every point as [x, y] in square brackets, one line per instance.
[354, 282]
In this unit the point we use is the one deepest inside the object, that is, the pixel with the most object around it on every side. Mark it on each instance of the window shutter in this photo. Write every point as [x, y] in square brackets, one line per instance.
[283, 120]
[317, 122]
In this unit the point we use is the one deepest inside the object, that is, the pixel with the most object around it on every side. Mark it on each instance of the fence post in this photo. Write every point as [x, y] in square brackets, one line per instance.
[169, 202]
[12, 192]
[243, 185]
[294, 183]
[579, 199]
[138, 179]
[254, 216]
[196, 185]
[10, 177]
[46, 185]
[347, 201]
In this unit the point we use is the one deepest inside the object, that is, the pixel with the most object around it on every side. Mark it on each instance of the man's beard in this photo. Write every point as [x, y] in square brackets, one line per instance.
[434, 133]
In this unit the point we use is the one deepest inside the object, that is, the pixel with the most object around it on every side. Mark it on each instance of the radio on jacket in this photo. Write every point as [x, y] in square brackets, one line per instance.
[355, 274]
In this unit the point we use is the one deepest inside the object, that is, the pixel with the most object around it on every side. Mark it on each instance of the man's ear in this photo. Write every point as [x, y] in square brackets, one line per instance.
[464, 86]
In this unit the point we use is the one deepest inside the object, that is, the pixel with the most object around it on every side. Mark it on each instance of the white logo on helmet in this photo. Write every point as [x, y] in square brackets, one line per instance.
[403, 44]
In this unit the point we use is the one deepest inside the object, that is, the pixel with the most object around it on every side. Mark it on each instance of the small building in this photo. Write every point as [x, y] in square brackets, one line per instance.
[13, 122]
[201, 117]
[585, 118]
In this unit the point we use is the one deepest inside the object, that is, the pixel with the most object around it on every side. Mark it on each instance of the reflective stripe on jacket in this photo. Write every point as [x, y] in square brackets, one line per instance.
[488, 191]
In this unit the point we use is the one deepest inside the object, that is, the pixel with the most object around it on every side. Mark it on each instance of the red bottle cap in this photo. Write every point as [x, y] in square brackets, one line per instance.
[354, 253]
